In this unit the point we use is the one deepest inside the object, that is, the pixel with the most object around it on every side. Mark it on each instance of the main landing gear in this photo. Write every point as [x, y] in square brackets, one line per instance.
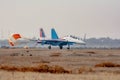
[61, 47]
[68, 46]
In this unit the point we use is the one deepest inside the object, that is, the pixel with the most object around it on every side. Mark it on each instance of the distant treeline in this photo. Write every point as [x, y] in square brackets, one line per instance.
[103, 42]
[90, 43]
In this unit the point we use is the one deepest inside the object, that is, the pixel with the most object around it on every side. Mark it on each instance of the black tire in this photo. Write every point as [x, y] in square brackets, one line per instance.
[68, 47]
[49, 47]
[61, 47]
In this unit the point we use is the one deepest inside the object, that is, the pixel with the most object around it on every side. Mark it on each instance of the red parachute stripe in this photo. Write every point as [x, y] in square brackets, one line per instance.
[16, 36]
[11, 43]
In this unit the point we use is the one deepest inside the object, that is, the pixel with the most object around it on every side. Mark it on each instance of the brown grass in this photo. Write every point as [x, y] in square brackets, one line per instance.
[14, 54]
[58, 69]
[45, 61]
[8, 68]
[85, 69]
[107, 64]
[39, 68]
[91, 52]
[55, 54]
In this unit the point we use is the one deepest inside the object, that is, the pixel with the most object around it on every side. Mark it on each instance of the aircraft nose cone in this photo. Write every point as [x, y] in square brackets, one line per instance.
[81, 42]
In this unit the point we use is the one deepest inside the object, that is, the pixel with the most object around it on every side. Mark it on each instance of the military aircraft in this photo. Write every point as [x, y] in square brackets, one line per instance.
[56, 41]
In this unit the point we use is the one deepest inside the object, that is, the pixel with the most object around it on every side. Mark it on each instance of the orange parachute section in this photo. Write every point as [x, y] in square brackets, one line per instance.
[13, 38]
[16, 36]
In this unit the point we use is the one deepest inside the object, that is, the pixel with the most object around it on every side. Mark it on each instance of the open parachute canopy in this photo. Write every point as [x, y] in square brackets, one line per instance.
[13, 38]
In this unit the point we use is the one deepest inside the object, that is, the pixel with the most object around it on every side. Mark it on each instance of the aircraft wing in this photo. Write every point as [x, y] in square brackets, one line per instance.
[55, 42]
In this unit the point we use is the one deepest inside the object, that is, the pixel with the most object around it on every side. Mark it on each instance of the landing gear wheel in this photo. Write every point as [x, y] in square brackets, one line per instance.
[61, 47]
[49, 47]
[68, 47]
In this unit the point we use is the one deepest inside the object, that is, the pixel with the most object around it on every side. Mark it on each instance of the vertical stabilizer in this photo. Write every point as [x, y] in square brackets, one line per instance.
[54, 34]
[42, 33]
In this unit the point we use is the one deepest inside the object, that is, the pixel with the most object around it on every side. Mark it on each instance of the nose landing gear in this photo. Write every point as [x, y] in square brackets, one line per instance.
[49, 47]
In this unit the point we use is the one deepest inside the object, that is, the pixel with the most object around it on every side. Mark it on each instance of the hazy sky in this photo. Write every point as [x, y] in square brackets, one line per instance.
[96, 18]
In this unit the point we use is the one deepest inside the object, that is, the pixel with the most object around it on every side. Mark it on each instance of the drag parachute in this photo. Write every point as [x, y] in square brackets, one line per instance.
[13, 38]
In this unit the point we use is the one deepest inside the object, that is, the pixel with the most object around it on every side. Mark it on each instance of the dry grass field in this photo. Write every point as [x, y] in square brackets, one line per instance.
[55, 64]
[5, 75]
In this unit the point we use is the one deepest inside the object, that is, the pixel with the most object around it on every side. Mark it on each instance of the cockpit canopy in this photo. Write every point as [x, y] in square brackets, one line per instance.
[74, 37]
